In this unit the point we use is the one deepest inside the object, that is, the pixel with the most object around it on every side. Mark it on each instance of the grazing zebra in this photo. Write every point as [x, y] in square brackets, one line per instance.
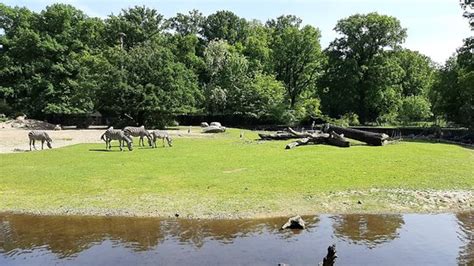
[41, 136]
[161, 135]
[138, 132]
[116, 134]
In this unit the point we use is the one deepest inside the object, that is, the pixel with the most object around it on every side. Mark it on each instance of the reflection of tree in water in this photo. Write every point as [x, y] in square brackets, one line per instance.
[69, 235]
[197, 232]
[367, 229]
[466, 233]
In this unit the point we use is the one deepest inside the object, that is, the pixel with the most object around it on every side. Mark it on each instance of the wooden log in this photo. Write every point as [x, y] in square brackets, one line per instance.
[337, 140]
[277, 136]
[374, 139]
[297, 143]
[330, 258]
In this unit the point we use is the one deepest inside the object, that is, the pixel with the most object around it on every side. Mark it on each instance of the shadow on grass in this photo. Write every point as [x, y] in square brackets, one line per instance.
[436, 141]
[105, 150]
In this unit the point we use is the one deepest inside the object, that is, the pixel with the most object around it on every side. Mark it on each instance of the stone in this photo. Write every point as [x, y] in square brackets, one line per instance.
[295, 222]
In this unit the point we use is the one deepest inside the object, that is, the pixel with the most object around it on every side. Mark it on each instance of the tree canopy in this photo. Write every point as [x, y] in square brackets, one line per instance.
[142, 68]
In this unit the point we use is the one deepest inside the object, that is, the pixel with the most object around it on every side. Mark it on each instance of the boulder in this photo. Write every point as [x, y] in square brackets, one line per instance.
[295, 222]
[213, 129]
[215, 124]
[204, 124]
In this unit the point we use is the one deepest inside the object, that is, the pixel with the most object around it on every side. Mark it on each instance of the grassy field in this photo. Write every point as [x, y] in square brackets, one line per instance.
[227, 177]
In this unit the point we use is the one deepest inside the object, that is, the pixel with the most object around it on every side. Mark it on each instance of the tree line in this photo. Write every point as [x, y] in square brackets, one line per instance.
[141, 67]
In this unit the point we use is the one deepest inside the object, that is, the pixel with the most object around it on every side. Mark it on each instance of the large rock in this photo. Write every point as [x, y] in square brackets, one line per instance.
[213, 129]
[215, 124]
[204, 124]
[295, 222]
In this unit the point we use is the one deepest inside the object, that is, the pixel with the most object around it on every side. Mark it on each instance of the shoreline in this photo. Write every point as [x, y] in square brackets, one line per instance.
[373, 201]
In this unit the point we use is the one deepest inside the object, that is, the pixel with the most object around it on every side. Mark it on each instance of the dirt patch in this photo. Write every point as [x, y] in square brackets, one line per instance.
[15, 139]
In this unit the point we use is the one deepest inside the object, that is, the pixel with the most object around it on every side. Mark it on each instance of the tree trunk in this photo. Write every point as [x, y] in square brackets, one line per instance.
[374, 139]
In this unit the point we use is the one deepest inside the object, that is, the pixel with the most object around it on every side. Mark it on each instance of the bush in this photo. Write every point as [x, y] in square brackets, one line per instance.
[414, 108]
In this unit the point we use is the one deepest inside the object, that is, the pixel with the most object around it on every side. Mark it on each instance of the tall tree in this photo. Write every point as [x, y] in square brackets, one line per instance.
[147, 84]
[453, 91]
[296, 55]
[352, 59]
[44, 60]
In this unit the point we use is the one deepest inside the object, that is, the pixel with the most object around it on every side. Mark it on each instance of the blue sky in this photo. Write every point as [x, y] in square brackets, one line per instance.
[435, 27]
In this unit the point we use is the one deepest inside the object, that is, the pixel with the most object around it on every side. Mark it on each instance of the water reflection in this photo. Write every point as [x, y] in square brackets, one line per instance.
[444, 239]
[68, 235]
[466, 224]
[368, 229]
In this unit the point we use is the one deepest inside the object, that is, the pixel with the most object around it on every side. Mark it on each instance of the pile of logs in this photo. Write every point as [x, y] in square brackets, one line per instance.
[329, 135]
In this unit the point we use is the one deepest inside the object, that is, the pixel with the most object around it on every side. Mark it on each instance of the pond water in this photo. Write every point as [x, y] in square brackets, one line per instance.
[411, 239]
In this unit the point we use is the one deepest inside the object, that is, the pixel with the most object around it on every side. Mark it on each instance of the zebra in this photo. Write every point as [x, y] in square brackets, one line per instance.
[138, 132]
[39, 135]
[161, 135]
[117, 134]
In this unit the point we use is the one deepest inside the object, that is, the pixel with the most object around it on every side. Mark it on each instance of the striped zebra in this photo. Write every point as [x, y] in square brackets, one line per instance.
[116, 134]
[161, 135]
[41, 136]
[138, 132]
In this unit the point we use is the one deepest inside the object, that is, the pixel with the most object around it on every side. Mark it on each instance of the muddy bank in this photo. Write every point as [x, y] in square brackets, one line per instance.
[373, 201]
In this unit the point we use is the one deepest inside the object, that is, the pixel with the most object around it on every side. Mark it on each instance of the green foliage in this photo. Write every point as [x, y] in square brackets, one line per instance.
[453, 91]
[139, 24]
[225, 25]
[296, 55]
[139, 67]
[414, 108]
[359, 77]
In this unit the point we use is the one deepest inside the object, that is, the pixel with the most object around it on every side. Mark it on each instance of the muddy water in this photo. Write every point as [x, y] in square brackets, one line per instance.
[412, 239]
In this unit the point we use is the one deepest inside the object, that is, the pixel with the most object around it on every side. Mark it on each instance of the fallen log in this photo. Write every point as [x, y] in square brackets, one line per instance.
[338, 140]
[280, 135]
[332, 138]
[374, 139]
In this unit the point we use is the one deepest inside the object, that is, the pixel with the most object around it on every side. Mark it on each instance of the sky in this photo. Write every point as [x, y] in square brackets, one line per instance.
[435, 28]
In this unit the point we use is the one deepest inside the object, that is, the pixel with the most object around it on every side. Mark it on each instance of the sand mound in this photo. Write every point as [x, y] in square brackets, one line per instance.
[28, 124]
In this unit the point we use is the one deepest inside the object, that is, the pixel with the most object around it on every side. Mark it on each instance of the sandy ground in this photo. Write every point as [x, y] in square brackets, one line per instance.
[16, 139]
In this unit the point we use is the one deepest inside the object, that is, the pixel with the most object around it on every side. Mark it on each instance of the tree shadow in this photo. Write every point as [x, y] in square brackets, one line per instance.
[104, 150]
[441, 141]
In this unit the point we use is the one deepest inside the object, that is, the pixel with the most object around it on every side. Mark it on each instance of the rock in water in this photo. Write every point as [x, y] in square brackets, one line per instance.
[294, 223]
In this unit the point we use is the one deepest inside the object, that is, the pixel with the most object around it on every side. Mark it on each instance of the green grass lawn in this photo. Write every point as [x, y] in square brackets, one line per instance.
[221, 176]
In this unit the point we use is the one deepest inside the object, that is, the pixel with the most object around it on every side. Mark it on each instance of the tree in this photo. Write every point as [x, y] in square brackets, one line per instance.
[44, 55]
[296, 55]
[353, 62]
[256, 47]
[147, 85]
[225, 25]
[190, 24]
[453, 91]
[139, 24]
[235, 89]
[468, 6]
